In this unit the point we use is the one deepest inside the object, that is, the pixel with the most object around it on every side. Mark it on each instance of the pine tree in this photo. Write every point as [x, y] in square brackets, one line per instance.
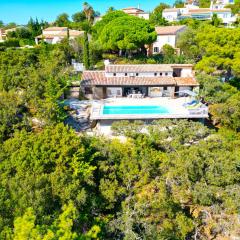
[86, 60]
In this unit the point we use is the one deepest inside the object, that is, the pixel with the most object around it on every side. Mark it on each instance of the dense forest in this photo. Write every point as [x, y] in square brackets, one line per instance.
[168, 180]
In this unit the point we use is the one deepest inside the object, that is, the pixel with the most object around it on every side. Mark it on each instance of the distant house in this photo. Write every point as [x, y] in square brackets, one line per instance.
[132, 11]
[153, 80]
[4, 32]
[137, 12]
[53, 35]
[166, 35]
[192, 11]
[2, 35]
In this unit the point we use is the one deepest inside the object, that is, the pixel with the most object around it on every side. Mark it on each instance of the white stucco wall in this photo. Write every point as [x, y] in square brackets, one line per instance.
[145, 74]
[186, 72]
[144, 16]
[170, 16]
[53, 32]
[164, 39]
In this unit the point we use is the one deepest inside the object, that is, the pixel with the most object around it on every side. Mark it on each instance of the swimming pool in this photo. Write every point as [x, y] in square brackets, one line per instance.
[107, 110]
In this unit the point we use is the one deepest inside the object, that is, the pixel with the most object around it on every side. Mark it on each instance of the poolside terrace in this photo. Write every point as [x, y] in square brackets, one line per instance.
[176, 108]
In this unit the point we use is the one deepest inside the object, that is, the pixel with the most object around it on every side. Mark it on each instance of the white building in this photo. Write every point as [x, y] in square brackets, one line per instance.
[152, 80]
[191, 11]
[137, 12]
[53, 35]
[166, 35]
[132, 11]
[2, 35]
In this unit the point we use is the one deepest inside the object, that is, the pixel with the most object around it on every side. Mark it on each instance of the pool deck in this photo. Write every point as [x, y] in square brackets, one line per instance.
[175, 107]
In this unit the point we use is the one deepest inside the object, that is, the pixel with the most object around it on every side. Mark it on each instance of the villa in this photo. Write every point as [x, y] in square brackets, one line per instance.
[152, 80]
[192, 11]
[167, 35]
[2, 35]
[132, 11]
[137, 12]
[53, 35]
[143, 91]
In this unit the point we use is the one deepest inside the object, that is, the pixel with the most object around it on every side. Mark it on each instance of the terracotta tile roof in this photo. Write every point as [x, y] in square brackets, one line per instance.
[72, 33]
[179, 65]
[171, 10]
[169, 30]
[98, 78]
[186, 81]
[137, 68]
[132, 10]
[55, 29]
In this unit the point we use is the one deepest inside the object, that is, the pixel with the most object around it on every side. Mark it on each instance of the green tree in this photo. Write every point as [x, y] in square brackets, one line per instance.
[35, 27]
[228, 114]
[212, 55]
[86, 59]
[178, 4]
[56, 170]
[99, 26]
[215, 20]
[111, 9]
[168, 50]
[234, 7]
[89, 12]
[79, 17]
[62, 20]
[156, 16]
[125, 34]
[204, 3]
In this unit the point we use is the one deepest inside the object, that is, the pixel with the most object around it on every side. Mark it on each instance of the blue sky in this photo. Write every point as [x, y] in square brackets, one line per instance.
[20, 11]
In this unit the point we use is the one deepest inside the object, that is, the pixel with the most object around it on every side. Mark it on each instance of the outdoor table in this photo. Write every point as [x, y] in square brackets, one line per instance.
[135, 95]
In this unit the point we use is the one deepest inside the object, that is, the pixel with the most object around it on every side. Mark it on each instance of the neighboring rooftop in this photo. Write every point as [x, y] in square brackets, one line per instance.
[132, 9]
[137, 68]
[169, 30]
[98, 78]
[56, 29]
[52, 32]
[171, 9]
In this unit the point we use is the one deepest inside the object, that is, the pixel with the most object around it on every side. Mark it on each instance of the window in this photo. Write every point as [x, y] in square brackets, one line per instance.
[166, 74]
[126, 74]
[156, 49]
[88, 90]
[114, 74]
[155, 74]
[165, 88]
[160, 74]
[169, 39]
[136, 74]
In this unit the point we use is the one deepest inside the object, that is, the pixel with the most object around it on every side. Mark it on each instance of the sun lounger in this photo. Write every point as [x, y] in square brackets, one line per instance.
[193, 102]
[195, 106]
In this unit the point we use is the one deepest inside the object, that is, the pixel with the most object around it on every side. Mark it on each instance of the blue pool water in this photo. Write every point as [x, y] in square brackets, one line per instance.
[134, 110]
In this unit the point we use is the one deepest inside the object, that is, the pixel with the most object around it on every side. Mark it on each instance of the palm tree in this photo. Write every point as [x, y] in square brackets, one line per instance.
[88, 10]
